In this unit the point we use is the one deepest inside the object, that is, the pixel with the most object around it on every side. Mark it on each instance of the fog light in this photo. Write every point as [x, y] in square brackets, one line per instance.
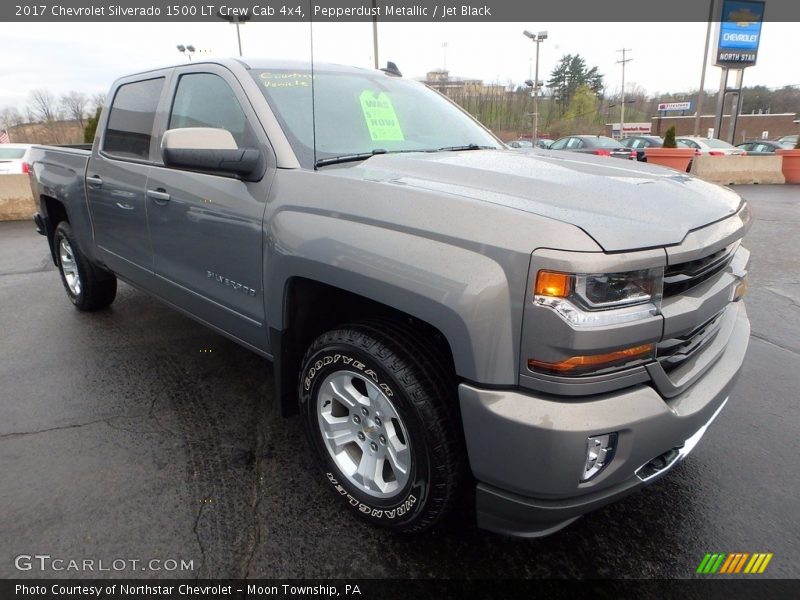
[599, 452]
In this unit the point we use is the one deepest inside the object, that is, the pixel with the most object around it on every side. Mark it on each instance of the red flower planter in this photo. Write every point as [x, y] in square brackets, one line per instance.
[674, 158]
[791, 164]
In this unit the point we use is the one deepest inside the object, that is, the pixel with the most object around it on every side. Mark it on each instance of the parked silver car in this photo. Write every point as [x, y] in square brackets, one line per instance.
[711, 146]
[14, 158]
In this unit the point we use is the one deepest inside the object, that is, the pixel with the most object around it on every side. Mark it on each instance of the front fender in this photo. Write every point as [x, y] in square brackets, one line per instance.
[466, 295]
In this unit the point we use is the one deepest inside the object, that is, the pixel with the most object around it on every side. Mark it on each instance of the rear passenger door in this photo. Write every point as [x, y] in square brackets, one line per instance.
[206, 229]
[117, 174]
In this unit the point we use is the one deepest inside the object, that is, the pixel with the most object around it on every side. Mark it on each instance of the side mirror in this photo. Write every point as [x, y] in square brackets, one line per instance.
[208, 149]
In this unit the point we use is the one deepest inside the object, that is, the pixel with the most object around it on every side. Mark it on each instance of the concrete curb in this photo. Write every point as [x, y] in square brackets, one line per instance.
[16, 201]
[729, 170]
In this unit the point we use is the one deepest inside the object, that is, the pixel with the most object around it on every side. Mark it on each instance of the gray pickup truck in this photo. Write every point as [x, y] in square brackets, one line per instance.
[544, 332]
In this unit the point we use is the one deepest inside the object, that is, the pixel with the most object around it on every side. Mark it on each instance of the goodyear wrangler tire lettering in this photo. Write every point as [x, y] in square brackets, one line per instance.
[372, 511]
[379, 416]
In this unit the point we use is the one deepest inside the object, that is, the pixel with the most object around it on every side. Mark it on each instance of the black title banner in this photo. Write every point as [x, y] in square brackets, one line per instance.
[383, 10]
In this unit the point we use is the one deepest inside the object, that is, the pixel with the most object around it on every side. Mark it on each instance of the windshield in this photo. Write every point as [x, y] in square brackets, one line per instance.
[359, 113]
[714, 143]
[8, 153]
[604, 142]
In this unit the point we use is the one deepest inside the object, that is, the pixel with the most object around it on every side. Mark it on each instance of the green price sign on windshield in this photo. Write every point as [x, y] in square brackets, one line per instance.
[381, 119]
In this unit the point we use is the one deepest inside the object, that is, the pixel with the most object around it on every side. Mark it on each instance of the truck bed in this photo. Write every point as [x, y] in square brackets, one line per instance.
[59, 173]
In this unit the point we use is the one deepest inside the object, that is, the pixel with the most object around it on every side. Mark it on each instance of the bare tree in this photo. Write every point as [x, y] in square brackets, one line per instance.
[45, 109]
[44, 106]
[75, 105]
[10, 117]
[98, 101]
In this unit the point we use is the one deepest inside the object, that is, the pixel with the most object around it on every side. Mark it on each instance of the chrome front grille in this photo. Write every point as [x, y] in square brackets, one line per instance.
[684, 276]
[674, 352]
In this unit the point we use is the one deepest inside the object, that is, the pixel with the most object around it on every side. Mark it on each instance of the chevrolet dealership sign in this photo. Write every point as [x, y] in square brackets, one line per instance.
[739, 33]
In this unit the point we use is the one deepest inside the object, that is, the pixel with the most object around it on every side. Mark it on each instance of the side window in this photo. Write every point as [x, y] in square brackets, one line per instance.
[130, 122]
[206, 100]
[559, 144]
[573, 143]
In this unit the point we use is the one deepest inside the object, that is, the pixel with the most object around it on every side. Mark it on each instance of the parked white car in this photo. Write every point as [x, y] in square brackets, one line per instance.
[711, 146]
[14, 158]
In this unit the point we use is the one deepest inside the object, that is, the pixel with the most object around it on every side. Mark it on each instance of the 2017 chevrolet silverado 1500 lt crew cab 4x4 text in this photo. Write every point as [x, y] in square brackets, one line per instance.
[547, 331]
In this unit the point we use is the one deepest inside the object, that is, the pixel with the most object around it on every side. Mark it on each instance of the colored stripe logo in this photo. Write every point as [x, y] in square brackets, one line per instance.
[734, 562]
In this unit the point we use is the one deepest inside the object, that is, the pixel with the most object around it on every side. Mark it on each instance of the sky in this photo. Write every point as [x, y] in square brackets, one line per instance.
[667, 57]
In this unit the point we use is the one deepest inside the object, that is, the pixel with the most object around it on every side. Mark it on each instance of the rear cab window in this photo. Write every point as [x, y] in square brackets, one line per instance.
[129, 129]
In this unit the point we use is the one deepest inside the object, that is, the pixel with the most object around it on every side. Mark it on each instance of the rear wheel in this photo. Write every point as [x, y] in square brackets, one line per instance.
[379, 412]
[88, 287]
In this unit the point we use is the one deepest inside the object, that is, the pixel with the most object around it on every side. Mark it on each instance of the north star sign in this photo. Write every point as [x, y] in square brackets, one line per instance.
[739, 33]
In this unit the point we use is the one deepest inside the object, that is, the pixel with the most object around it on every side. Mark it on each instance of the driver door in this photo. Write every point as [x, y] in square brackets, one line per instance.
[206, 229]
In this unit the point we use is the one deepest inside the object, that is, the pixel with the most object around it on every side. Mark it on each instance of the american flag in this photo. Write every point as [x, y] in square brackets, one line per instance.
[4, 139]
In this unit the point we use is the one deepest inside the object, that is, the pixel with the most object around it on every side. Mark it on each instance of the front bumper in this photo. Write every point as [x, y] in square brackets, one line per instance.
[528, 450]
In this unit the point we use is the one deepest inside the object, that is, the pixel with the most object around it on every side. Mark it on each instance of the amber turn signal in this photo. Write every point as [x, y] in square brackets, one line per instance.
[552, 283]
[593, 361]
[741, 289]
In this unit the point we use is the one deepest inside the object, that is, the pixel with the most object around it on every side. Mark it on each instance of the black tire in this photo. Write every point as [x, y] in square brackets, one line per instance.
[96, 288]
[420, 382]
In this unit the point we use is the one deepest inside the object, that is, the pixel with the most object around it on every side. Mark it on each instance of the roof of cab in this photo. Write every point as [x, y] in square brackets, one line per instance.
[266, 63]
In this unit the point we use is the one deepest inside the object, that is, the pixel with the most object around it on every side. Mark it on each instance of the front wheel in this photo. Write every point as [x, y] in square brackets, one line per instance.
[379, 412]
[88, 287]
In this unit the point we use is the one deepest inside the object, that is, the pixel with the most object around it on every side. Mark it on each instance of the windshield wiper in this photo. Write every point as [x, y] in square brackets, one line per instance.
[335, 160]
[466, 147]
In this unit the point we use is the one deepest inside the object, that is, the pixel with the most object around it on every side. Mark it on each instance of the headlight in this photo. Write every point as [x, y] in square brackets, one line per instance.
[601, 298]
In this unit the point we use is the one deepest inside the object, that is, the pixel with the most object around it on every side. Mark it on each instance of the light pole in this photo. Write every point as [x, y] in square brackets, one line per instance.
[701, 93]
[186, 50]
[622, 101]
[536, 38]
[235, 20]
[375, 34]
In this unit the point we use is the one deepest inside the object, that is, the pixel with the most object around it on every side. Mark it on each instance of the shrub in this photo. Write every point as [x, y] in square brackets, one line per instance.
[669, 138]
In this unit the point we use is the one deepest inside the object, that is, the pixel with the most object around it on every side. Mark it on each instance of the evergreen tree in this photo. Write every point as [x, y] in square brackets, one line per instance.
[91, 127]
[570, 74]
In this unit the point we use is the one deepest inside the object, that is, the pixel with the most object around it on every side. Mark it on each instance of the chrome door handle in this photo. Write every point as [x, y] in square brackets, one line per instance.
[94, 180]
[125, 205]
[160, 195]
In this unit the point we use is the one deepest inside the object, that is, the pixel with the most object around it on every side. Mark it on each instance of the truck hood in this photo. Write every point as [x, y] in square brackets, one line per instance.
[622, 205]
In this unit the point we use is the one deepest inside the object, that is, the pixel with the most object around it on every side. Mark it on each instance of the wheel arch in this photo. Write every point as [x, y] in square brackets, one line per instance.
[55, 212]
[309, 308]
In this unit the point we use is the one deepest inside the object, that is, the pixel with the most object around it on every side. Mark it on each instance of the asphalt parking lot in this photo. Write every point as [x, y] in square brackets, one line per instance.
[135, 433]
